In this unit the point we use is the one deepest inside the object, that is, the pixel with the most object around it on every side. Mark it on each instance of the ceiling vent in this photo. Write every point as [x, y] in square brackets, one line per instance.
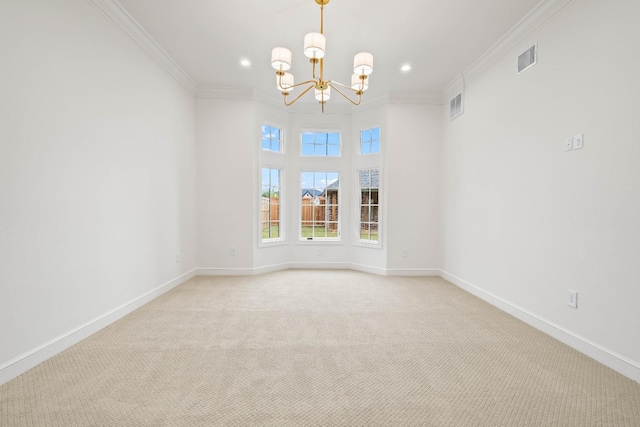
[527, 58]
[455, 108]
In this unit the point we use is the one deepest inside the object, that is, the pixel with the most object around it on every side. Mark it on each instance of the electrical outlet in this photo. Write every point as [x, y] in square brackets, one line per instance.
[178, 257]
[405, 252]
[573, 299]
[319, 251]
[568, 144]
[232, 251]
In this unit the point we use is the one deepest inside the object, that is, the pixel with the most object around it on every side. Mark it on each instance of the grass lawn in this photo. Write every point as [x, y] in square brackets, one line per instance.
[308, 231]
[311, 231]
[365, 236]
[275, 232]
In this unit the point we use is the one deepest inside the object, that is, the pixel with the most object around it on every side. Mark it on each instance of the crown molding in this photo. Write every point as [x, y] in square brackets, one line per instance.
[532, 22]
[117, 14]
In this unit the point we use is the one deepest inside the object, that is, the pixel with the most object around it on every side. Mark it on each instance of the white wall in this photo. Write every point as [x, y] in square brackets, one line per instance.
[412, 180]
[227, 187]
[97, 177]
[523, 220]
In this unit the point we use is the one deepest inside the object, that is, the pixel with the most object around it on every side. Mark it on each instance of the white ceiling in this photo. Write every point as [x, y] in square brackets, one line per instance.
[439, 38]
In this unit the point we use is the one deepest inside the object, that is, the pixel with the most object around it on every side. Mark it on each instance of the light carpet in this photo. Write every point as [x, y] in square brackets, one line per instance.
[319, 348]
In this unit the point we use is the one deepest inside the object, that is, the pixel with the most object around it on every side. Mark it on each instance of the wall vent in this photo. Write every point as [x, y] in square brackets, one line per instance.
[455, 108]
[527, 58]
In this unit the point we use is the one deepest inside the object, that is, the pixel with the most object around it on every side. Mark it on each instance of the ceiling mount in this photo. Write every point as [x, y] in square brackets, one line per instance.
[314, 49]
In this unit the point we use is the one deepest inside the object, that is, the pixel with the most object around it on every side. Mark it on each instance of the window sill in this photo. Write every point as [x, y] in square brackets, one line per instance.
[320, 242]
[367, 244]
[271, 243]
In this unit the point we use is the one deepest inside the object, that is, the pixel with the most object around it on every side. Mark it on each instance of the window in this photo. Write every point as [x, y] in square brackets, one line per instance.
[270, 205]
[370, 141]
[369, 205]
[271, 138]
[325, 144]
[320, 206]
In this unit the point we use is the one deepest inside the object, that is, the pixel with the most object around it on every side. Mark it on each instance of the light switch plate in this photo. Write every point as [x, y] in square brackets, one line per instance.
[578, 142]
[573, 299]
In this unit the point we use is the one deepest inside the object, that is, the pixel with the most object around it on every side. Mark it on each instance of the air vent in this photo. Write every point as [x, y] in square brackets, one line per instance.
[456, 107]
[527, 58]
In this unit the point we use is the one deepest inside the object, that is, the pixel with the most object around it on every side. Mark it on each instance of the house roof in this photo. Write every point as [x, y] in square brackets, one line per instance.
[311, 192]
[371, 180]
[334, 185]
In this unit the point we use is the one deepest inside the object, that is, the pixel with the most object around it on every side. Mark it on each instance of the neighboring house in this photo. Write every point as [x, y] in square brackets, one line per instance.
[369, 202]
[330, 193]
[326, 201]
[306, 192]
[312, 207]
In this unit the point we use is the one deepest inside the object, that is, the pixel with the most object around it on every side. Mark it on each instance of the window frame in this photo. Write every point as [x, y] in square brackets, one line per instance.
[282, 137]
[367, 161]
[321, 131]
[338, 222]
[281, 213]
[362, 130]
[272, 160]
[358, 227]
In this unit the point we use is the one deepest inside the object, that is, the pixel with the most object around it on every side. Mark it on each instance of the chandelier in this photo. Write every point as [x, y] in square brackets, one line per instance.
[314, 49]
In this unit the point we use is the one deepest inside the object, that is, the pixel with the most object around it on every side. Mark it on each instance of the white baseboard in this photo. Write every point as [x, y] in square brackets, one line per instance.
[225, 271]
[415, 272]
[272, 268]
[30, 359]
[607, 357]
[318, 266]
[368, 269]
[321, 266]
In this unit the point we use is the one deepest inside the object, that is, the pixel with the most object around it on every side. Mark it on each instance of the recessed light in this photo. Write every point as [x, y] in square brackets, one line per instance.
[405, 68]
[245, 63]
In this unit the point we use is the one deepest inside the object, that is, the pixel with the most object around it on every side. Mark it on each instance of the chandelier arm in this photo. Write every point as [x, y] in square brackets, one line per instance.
[300, 84]
[345, 96]
[333, 82]
[299, 96]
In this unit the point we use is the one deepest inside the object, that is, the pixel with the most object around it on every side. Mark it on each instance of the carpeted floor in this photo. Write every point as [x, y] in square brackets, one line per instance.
[319, 348]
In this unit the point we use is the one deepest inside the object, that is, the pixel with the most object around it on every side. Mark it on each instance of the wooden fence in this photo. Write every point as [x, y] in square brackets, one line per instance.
[270, 210]
[313, 214]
